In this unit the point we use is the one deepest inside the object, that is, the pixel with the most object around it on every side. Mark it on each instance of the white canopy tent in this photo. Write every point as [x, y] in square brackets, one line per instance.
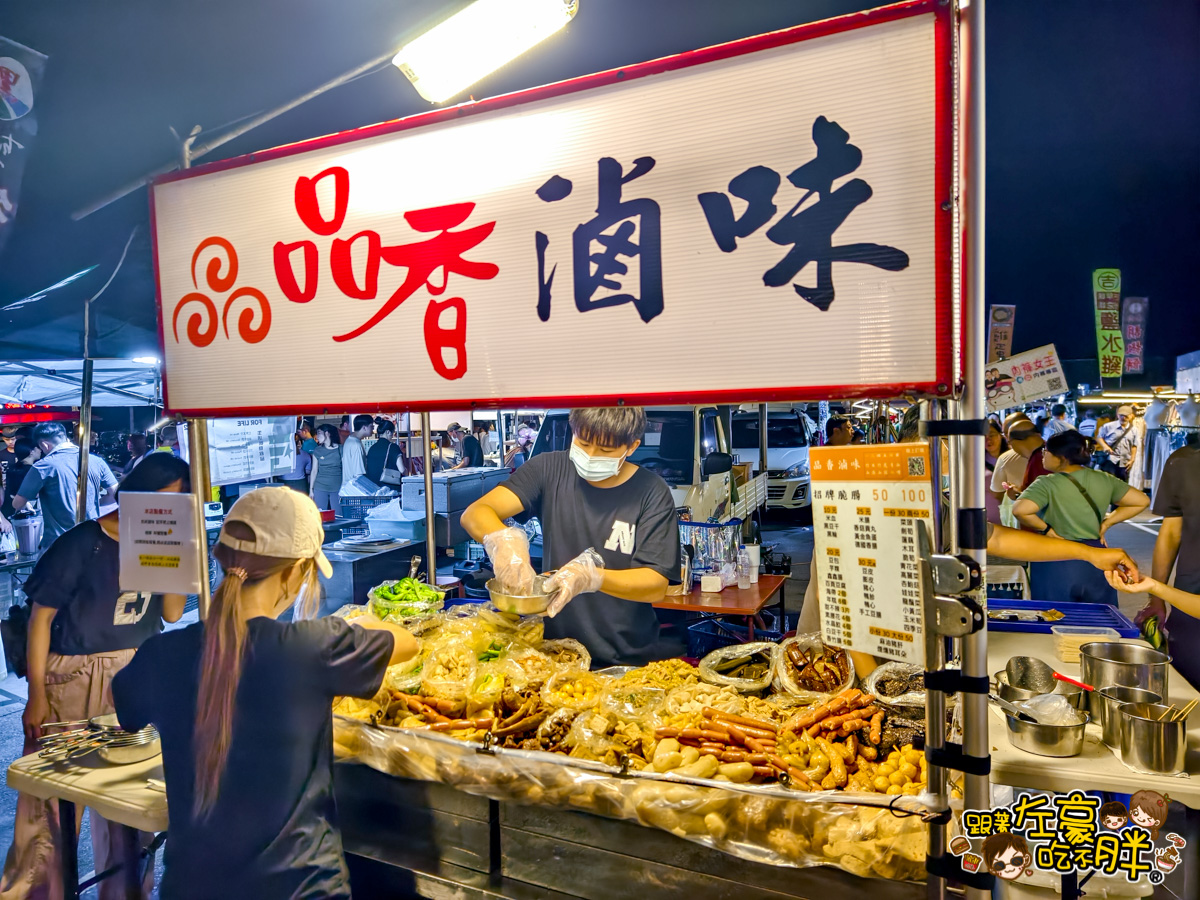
[59, 382]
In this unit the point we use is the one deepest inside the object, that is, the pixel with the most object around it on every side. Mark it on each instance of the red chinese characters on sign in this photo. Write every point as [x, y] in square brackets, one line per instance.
[445, 251]
[201, 326]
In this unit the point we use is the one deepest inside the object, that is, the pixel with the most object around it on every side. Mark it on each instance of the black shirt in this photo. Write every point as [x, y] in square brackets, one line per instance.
[1178, 495]
[78, 576]
[271, 833]
[632, 526]
[382, 455]
[13, 476]
[472, 452]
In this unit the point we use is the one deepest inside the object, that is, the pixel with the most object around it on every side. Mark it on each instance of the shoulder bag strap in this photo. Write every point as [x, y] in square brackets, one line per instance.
[1087, 497]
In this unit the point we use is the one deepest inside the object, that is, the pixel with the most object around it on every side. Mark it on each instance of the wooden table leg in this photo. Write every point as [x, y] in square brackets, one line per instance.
[133, 857]
[68, 849]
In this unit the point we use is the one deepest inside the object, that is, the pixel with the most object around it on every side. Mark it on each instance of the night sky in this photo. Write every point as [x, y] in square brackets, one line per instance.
[1093, 128]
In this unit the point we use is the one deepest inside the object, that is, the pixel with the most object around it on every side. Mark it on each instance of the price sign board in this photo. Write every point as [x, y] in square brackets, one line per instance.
[247, 449]
[796, 184]
[868, 502]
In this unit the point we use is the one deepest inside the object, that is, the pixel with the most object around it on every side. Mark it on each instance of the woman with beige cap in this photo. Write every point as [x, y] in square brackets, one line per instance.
[242, 702]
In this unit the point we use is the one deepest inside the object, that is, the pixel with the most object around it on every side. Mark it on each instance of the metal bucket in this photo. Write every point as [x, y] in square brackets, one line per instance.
[1150, 742]
[1111, 699]
[29, 534]
[1105, 663]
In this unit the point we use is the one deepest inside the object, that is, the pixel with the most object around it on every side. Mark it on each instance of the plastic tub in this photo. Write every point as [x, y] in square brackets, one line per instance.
[1069, 638]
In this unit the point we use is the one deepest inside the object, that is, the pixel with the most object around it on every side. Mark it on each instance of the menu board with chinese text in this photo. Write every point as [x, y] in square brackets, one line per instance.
[868, 502]
[247, 449]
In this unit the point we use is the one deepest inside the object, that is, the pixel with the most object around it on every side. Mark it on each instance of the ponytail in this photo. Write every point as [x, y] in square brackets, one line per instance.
[223, 654]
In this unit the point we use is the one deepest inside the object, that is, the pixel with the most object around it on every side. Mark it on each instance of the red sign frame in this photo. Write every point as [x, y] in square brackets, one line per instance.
[947, 368]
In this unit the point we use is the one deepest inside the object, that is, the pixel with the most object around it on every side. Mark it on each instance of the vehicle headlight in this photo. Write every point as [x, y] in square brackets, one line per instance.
[799, 470]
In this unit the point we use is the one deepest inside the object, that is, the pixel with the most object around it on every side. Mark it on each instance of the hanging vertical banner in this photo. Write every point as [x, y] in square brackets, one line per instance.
[1110, 346]
[1000, 331]
[868, 502]
[1134, 313]
[20, 78]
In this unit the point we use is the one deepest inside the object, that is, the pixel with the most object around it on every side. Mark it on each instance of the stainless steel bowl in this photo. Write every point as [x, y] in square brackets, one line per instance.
[126, 754]
[1150, 743]
[1104, 663]
[534, 604]
[1109, 715]
[1046, 740]
[1012, 694]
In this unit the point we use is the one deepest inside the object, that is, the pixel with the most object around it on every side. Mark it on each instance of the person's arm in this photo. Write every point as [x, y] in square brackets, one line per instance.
[487, 514]
[1026, 512]
[404, 645]
[640, 585]
[507, 548]
[1030, 547]
[19, 503]
[312, 476]
[1189, 603]
[1101, 443]
[1166, 548]
[173, 604]
[1131, 503]
[5, 525]
[37, 649]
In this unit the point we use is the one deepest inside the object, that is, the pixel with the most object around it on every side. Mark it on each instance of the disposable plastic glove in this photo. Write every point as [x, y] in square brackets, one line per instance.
[583, 574]
[508, 550]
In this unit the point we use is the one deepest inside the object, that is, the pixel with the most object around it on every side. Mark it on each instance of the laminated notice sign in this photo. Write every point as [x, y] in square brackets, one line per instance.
[158, 543]
[868, 502]
[1033, 375]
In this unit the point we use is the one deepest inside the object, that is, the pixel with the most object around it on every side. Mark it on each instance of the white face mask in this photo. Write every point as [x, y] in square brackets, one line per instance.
[595, 468]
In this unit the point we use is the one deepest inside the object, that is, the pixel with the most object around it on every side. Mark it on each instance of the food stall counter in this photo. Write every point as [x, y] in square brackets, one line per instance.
[1096, 768]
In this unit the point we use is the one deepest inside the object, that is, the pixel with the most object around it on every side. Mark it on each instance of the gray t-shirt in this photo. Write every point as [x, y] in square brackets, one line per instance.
[329, 468]
[632, 526]
[54, 482]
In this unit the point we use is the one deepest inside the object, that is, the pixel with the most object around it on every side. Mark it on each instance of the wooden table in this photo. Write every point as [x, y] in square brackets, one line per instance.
[733, 601]
[121, 794]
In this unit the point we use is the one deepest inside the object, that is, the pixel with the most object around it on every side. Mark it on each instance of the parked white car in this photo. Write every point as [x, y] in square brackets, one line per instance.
[789, 435]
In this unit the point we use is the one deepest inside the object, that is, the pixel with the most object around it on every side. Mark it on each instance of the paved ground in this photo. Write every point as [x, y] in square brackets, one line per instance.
[782, 531]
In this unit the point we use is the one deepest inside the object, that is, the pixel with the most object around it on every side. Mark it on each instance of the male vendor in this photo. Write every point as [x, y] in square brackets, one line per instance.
[608, 527]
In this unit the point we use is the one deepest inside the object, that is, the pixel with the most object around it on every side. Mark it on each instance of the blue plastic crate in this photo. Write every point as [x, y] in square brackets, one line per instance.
[708, 635]
[1098, 615]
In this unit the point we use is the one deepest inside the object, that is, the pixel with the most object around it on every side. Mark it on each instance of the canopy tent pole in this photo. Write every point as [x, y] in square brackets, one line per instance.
[762, 437]
[85, 436]
[198, 462]
[430, 536]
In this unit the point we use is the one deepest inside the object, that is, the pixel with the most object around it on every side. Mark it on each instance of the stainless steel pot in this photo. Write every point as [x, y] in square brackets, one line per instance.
[1111, 699]
[1105, 663]
[1046, 740]
[29, 533]
[1150, 741]
[1006, 691]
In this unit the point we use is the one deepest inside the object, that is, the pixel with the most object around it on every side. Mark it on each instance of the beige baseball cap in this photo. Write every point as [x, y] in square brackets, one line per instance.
[286, 525]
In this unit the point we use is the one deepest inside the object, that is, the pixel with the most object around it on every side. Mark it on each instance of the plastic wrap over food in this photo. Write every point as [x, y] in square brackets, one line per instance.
[809, 670]
[567, 653]
[743, 667]
[897, 684]
[764, 824]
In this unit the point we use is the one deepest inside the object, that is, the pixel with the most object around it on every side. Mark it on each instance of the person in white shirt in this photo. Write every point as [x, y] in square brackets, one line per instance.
[354, 457]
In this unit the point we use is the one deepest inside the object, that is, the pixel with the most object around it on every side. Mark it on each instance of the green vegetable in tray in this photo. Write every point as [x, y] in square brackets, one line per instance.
[493, 651]
[405, 599]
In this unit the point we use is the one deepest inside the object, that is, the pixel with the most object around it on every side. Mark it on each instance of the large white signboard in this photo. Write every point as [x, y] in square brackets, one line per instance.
[765, 219]
[868, 503]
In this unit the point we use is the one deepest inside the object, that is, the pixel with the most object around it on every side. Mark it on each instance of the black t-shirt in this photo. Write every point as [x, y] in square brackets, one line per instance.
[13, 476]
[1178, 495]
[382, 455]
[472, 452]
[632, 526]
[271, 833]
[78, 576]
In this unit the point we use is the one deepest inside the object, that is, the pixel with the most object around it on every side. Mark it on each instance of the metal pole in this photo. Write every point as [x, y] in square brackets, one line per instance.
[430, 536]
[762, 437]
[85, 436]
[198, 461]
[974, 647]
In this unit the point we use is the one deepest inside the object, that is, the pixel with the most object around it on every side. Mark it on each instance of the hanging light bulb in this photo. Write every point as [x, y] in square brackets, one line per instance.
[456, 53]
